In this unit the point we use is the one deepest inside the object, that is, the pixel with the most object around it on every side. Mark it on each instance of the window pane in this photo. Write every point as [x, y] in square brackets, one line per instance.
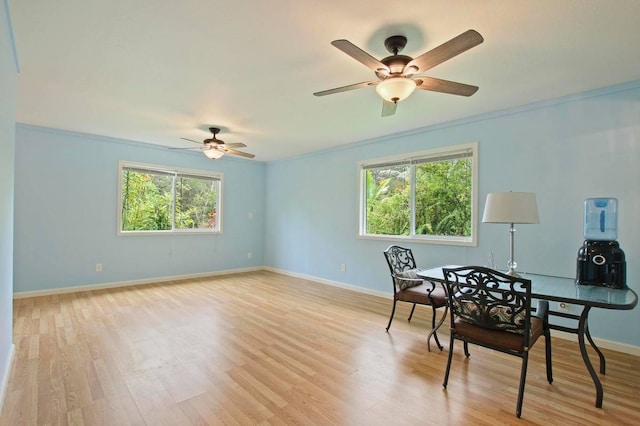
[196, 202]
[427, 196]
[443, 198]
[388, 200]
[160, 198]
[146, 201]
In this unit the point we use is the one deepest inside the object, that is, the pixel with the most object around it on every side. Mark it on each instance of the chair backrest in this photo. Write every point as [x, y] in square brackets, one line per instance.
[403, 268]
[489, 299]
[399, 259]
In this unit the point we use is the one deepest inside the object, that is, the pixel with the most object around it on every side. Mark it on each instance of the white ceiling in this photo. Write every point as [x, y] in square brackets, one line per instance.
[154, 71]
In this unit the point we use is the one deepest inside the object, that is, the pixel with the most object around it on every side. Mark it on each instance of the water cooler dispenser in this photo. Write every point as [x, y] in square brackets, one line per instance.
[601, 261]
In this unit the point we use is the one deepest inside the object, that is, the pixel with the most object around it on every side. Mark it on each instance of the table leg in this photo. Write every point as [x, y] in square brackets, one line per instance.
[603, 365]
[437, 326]
[582, 331]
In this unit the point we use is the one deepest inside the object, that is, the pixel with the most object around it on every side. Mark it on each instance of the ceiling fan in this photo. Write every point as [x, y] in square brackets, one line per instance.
[397, 73]
[215, 148]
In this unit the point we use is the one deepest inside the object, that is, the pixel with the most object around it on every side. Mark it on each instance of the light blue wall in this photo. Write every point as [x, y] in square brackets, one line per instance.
[305, 208]
[66, 205]
[8, 68]
[564, 151]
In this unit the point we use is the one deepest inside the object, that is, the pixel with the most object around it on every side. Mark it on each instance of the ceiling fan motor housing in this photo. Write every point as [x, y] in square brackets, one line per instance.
[396, 64]
[395, 44]
[215, 131]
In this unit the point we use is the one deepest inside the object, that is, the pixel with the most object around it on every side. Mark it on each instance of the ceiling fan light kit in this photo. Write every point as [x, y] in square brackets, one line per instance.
[213, 153]
[396, 73]
[395, 89]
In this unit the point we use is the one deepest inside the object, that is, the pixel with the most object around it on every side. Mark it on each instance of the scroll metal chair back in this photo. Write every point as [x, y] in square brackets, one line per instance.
[492, 309]
[409, 287]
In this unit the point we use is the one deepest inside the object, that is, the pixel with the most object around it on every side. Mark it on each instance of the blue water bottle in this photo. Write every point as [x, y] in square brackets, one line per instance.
[601, 219]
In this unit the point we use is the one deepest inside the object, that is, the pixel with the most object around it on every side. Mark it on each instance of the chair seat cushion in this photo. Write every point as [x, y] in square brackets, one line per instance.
[498, 338]
[419, 294]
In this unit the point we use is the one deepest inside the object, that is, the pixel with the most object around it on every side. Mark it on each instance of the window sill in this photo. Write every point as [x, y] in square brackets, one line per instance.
[449, 241]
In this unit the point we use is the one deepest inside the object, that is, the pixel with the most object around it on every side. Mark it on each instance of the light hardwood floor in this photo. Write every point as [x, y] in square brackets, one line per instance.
[263, 348]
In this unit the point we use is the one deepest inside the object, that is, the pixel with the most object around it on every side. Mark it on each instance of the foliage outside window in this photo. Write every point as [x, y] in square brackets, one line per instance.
[427, 196]
[157, 199]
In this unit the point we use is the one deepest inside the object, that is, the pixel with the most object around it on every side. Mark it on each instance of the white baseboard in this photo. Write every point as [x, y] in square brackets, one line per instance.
[601, 343]
[387, 295]
[74, 289]
[5, 377]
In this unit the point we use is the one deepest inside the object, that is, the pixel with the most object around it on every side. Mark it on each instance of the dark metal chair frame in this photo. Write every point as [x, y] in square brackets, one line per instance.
[400, 259]
[495, 311]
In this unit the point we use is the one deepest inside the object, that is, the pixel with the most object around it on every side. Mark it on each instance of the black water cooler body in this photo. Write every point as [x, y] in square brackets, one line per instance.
[601, 263]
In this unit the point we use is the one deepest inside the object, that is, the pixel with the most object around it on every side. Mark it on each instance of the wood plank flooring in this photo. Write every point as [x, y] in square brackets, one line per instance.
[266, 349]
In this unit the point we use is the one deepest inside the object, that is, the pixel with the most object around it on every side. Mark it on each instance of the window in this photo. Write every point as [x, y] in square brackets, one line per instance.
[157, 199]
[427, 196]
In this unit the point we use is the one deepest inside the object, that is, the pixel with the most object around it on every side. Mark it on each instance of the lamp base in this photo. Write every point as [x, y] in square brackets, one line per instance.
[512, 273]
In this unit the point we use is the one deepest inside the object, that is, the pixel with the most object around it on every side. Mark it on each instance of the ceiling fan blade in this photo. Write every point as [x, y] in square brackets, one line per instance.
[240, 153]
[188, 148]
[388, 108]
[346, 88]
[445, 86]
[191, 140]
[360, 55]
[445, 51]
[235, 145]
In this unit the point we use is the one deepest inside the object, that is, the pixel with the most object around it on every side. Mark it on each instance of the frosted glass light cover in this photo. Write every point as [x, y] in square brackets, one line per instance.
[395, 89]
[601, 219]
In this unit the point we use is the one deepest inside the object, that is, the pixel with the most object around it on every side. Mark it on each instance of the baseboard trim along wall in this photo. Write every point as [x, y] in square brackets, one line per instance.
[602, 343]
[101, 286]
[329, 282]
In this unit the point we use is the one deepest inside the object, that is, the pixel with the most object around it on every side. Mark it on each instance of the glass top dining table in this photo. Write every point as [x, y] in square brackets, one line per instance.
[565, 290]
[561, 289]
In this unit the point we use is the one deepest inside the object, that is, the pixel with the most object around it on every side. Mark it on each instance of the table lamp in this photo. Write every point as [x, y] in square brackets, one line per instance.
[511, 208]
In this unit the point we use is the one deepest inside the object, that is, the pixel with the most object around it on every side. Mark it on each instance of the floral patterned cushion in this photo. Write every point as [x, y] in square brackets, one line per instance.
[496, 317]
[412, 279]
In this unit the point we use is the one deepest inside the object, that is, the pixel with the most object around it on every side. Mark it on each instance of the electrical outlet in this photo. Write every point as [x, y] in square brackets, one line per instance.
[564, 307]
[343, 268]
[98, 267]
[249, 255]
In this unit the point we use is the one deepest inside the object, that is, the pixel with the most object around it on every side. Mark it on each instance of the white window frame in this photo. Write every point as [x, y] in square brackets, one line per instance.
[444, 152]
[122, 164]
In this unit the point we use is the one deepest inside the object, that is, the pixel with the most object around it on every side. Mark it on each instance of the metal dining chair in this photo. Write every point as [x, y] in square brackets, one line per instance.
[493, 310]
[408, 287]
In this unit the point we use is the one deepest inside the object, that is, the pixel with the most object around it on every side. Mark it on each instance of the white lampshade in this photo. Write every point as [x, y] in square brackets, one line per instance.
[213, 153]
[511, 207]
[395, 89]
